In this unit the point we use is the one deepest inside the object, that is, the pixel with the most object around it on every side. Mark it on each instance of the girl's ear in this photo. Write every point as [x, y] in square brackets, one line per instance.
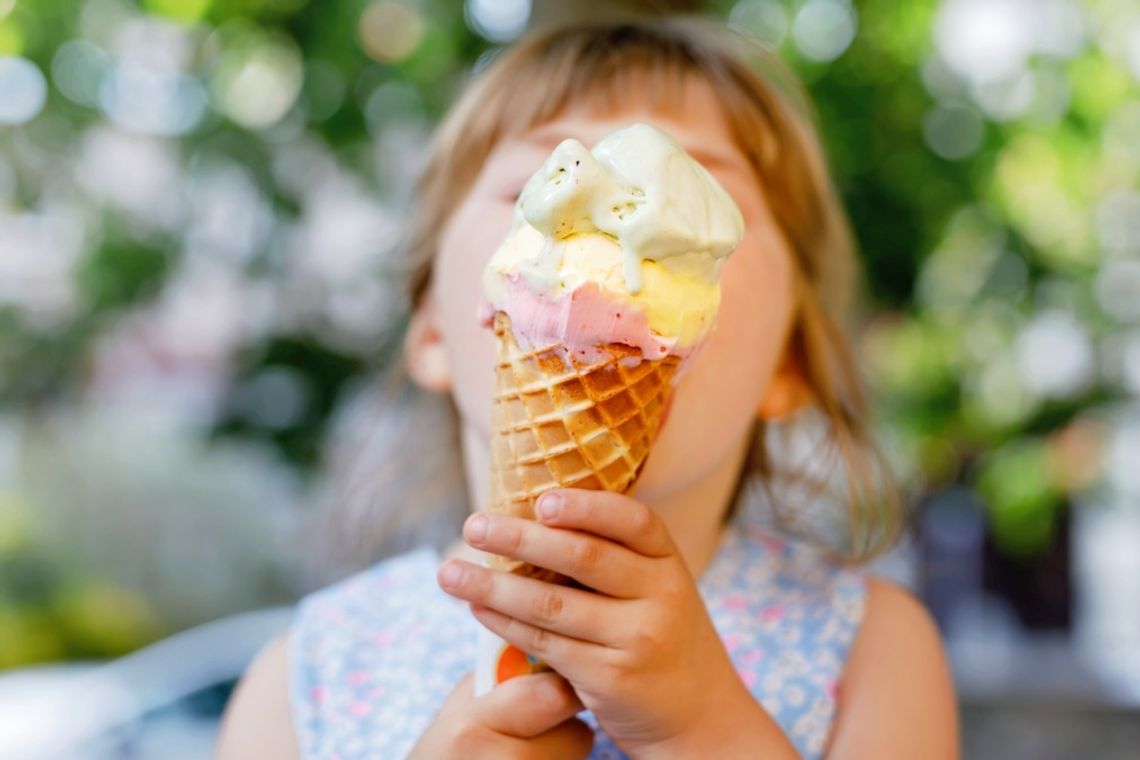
[424, 351]
[788, 392]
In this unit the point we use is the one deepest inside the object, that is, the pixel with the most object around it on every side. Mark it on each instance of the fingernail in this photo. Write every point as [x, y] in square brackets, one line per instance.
[451, 575]
[549, 504]
[477, 528]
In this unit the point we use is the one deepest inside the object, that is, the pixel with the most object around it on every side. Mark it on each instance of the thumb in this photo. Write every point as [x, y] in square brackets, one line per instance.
[529, 705]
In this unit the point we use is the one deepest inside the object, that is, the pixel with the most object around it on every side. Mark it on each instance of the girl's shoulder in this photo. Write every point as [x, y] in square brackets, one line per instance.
[380, 589]
[378, 610]
[372, 656]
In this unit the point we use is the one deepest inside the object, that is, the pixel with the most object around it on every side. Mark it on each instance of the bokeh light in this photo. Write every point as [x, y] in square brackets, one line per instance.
[324, 90]
[1116, 287]
[498, 20]
[765, 21]
[953, 130]
[985, 41]
[1118, 221]
[390, 31]
[78, 70]
[258, 78]
[1054, 355]
[149, 101]
[823, 29]
[23, 90]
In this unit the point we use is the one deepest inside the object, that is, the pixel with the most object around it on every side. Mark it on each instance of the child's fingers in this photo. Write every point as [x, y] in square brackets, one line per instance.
[558, 609]
[528, 705]
[612, 515]
[593, 561]
[571, 657]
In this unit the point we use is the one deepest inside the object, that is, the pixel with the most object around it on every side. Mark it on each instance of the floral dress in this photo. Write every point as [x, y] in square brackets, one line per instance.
[373, 657]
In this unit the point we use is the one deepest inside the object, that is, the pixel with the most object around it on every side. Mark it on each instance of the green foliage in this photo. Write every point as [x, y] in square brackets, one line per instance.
[120, 273]
[328, 373]
[1015, 481]
[179, 10]
[48, 612]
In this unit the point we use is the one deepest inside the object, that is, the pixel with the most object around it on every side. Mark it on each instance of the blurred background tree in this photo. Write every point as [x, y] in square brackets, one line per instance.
[198, 203]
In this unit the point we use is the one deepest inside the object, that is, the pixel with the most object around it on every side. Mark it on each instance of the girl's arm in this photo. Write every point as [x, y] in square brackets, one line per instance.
[258, 722]
[897, 696]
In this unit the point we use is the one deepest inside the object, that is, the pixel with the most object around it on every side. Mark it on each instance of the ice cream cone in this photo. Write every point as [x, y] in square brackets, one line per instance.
[603, 290]
[559, 421]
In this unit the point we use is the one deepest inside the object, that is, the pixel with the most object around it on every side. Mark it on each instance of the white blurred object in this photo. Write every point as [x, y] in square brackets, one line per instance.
[38, 253]
[301, 165]
[1006, 99]
[1132, 50]
[137, 174]
[1117, 284]
[154, 102]
[1118, 221]
[173, 356]
[60, 712]
[1130, 369]
[824, 29]
[1054, 355]
[1107, 565]
[984, 40]
[230, 219]
[498, 20]
[990, 41]
[153, 42]
[1123, 457]
[23, 90]
[335, 281]
[257, 82]
[148, 90]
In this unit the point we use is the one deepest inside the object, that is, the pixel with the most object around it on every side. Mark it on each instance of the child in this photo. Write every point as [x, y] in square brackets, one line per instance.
[694, 637]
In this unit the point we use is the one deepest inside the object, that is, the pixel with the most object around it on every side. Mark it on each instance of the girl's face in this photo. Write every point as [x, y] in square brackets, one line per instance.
[719, 395]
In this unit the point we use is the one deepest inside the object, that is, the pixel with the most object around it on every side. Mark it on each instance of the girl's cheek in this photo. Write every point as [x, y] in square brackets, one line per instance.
[466, 245]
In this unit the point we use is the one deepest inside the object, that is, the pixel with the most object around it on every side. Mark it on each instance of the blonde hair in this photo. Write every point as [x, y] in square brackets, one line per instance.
[592, 62]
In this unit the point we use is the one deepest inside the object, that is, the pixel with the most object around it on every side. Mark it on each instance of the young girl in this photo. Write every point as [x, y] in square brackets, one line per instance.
[695, 637]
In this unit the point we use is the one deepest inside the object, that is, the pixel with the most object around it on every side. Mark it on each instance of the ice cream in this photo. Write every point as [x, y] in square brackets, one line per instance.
[607, 282]
[620, 244]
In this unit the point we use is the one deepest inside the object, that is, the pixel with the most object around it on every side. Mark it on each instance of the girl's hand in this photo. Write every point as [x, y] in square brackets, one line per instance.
[638, 647]
[527, 718]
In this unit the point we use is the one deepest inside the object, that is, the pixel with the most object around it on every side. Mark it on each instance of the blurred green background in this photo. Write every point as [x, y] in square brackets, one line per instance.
[198, 206]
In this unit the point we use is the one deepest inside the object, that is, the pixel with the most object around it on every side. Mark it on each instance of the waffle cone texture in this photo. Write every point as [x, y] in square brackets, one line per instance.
[560, 422]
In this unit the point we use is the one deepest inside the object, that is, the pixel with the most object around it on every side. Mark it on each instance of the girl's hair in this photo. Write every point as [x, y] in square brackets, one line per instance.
[600, 62]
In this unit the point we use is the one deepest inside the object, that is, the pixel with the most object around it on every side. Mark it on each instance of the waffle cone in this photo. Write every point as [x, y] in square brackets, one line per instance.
[560, 422]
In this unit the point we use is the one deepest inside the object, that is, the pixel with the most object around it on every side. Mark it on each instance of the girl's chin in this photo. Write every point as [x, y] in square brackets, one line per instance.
[662, 474]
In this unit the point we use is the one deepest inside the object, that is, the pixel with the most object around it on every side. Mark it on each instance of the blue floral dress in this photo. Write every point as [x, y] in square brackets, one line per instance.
[373, 657]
